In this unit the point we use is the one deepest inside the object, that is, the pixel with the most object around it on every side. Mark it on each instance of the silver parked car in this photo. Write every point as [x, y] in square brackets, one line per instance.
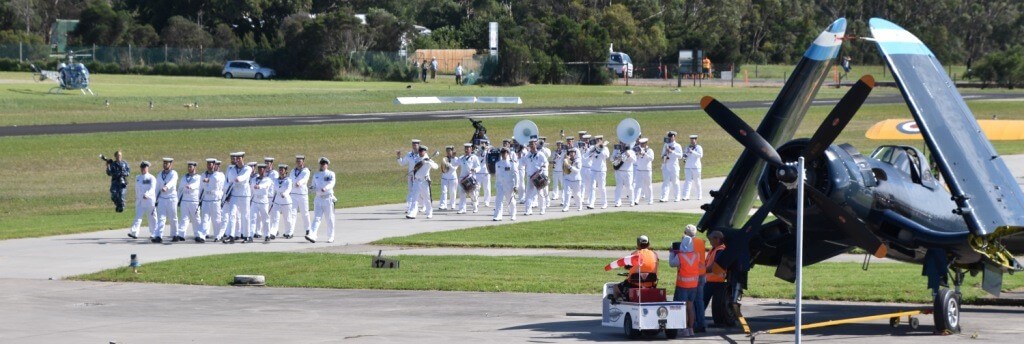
[246, 69]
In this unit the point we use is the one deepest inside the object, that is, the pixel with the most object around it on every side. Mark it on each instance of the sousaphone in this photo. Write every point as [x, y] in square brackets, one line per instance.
[524, 131]
[628, 131]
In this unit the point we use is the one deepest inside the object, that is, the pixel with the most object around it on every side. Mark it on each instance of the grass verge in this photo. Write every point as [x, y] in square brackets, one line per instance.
[826, 281]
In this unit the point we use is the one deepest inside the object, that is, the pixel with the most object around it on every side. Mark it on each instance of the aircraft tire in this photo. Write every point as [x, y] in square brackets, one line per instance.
[947, 311]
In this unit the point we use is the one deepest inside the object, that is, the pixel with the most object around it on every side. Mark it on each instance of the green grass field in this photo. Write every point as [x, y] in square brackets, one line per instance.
[54, 184]
[825, 281]
[878, 71]
[606, 231]
[23, 102]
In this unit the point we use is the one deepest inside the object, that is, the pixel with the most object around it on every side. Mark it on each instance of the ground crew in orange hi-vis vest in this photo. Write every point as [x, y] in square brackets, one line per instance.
[642, 265]
[715, 289]
[698, 301]
[687, 278]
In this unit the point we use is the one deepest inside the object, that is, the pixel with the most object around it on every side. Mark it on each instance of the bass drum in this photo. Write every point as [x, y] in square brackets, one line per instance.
[492, 158]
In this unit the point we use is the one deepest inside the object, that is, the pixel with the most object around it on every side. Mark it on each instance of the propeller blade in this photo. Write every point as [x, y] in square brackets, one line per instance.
[839, 117]
[859, 234]
[762, 213]
[740, 131]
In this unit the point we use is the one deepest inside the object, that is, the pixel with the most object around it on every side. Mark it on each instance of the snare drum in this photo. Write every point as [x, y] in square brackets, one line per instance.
[469, 183]
[539, 180]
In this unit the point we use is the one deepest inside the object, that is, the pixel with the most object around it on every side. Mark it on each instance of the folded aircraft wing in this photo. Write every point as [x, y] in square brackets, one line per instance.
[986, 194]
[906, 129]
[733, 201]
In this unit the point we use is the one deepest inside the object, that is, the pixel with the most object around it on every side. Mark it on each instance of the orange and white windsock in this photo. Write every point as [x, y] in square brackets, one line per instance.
[633, 260]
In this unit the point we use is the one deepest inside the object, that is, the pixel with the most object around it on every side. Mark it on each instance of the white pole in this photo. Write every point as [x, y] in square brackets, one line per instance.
[799, 247]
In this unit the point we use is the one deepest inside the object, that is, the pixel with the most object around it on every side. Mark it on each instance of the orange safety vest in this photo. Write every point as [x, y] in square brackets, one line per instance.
[649, 260]
[717, 273]
[689, 269]
[698, 247]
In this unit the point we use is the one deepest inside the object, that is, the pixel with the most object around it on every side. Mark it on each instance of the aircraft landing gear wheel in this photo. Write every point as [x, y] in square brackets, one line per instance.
[947, 311]
[915, 323]
[627, 327]
[671, 334]
[894, 322]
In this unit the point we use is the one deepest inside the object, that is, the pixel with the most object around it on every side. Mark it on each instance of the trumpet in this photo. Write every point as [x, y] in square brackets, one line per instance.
[567, 165]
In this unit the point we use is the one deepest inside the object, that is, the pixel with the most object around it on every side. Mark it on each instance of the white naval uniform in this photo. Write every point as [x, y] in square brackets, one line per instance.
[573, 185]
[409, 160]
[212, 187]
[535, 163]
[238, 205]
[261, 189]
[469, 165]
[252, 209]
[323, 204]
[300, 200]
[449, 184]
[189, 189]
[670, 171]
[507, 179]
[557, 179]
[167, 202]
[644, 169]
[483, 176]
[421, 189]
[586, 177]
[693, 166]
[624, 176]
[547, 156]
[145, 196]
[281, 206]
[599, 176]
[522, 175]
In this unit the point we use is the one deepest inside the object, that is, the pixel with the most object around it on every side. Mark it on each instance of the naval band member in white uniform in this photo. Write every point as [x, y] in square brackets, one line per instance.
[145, 197]
[300, 197]
[694, 152]
[323, 204]
[167, 202]
[670, 155]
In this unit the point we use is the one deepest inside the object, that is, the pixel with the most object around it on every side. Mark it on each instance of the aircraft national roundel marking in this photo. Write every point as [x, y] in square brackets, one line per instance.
[908, 127]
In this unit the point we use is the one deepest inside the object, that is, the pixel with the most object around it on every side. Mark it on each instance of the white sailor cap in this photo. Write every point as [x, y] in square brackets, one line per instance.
[191, 163]
[211, 161]
[415, 141]
[261, 165]
[581, 132]
[672, 133]
[144, 164]
[300, 157]
[284, 166]
[324, 160]
[424, 148]
[569, 138]
[449, 147]
[237, 154]
[251, 163]
[586, 136]
[467, 145]
[542, 138]
[693, 136]
[533, 139]
[643, 140]
[218, 162]
[268, 159]
[168, 159]
[599, 137]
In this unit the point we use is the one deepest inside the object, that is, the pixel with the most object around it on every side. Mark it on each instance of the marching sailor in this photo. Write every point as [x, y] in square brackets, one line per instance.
[571, 169]
[421, 185]
[518, 157]
[670, 155]
[483, 176]
[694, 152]
[586, 175]
[145, 196]
[599, 173]
[449, 178]
[281, 204]
[625, 158]
[569, 146]
[167, 202]
[469, 166]
[557, 177]
[189, 188]
[252, 210]
[536, 165]
[211, 186]
[323, 204]
[507, 179]
[542, 147]
[409, 160]
[644, 163]
[261, 187]
[271, 172]
[299, 196]
[237, 199]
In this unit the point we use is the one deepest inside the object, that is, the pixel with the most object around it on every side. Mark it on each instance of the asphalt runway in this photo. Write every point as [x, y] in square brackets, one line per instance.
[40, 311]
[83, 128]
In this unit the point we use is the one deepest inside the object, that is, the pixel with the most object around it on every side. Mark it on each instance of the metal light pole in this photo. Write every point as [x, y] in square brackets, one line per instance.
[799, 247]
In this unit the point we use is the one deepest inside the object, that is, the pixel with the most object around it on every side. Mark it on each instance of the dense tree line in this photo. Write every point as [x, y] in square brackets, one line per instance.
[538, 36]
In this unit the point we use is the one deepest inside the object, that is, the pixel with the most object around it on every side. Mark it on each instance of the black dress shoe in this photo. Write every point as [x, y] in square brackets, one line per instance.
[228, 240]
[133, 236]
[152, 240]
[267, 239]
[200, 240]
[158, 240]
[257, 236]
[207, 237]
[287, 236]
[272, 237]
